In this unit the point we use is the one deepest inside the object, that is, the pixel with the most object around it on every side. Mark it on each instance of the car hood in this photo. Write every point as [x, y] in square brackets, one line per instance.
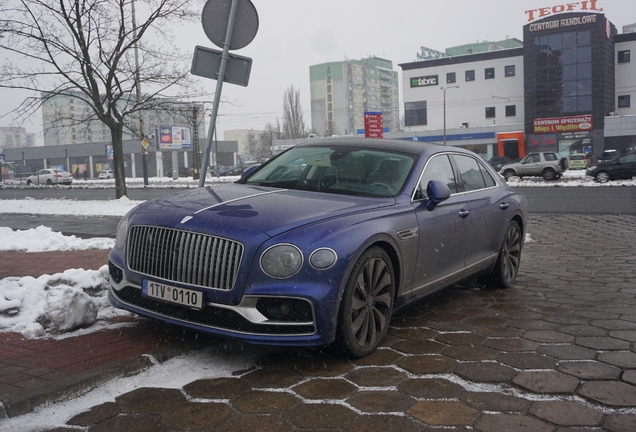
[232, 210]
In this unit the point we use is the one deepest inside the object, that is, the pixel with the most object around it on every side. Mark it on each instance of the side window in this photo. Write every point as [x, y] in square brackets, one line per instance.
[549, 157]
[470, 173]
[438, 168]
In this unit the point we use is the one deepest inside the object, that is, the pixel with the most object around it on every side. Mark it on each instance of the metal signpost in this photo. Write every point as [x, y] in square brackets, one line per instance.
[235, 33]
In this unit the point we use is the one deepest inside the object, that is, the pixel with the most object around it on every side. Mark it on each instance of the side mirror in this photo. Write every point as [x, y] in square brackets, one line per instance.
[437, 192]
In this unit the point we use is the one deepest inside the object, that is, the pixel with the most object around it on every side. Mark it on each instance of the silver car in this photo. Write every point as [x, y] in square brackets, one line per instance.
[50, 176]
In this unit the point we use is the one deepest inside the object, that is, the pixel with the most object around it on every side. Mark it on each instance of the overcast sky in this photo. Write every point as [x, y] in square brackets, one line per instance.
[295, 34]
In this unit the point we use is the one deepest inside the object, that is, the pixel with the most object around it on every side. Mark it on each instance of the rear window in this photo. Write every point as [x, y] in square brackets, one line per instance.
[577, 157]
[550, 156]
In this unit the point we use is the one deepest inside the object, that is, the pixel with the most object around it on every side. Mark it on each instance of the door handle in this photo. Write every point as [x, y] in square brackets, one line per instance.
[464, 213]
[504, 205]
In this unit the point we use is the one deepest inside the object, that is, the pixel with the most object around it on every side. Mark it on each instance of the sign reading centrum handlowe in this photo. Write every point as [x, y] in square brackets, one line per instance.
[174, 138]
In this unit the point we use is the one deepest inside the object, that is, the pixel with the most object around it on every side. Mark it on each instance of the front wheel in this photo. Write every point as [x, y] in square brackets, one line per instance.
[509, 259]
[508, 174]
[549, 174]
[602, 177]
[367, 304]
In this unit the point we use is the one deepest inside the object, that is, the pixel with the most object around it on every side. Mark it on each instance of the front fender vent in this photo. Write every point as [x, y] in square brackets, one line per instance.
[184, 257]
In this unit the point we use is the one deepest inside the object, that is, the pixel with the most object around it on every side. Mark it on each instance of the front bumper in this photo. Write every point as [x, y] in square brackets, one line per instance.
[250, 320]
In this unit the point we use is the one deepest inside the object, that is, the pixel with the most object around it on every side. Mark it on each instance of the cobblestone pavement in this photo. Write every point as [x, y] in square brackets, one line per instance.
[554, 353]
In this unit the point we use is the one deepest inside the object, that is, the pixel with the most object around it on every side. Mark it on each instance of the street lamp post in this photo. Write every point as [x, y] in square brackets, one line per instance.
[446, 88]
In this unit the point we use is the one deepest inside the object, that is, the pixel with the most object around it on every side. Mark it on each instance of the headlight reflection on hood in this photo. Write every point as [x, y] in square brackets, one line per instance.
[281, 261]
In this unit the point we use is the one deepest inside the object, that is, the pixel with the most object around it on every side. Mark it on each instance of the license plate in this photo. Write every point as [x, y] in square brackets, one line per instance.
[171, 294]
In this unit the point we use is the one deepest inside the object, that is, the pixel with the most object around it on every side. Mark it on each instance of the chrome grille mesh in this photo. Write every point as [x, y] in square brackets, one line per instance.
[184, 257]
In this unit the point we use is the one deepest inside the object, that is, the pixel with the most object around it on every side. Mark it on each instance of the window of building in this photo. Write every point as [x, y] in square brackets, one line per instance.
[328, 89]
[470, 75]
[329, 107]
[415, 113]
[624, 56]
[511, 110]
[510, 70]
[490, 112]
[450, 77]
[489, 73]
[328, 70]
[624, 101]
[328, 79]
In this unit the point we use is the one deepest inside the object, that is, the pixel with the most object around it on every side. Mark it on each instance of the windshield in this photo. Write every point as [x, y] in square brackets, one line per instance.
[341, 170]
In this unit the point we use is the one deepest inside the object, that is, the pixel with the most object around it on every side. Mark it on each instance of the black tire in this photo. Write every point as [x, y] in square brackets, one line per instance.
[49, 182]
[367, 304]
[28, 182]
[509, 174]
[549, 174]
[506, 268]
[602, 177]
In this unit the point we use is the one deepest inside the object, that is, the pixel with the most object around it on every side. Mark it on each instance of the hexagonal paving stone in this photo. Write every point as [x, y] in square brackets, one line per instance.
[380, 401]
[427, 364]
[566, 413]
[548, 336]
[620, 422]
[582, 330]
[193, 415]
[511, 422]
[628, 335]
[460, 338]
[468, 353]
[411, 333]
[376, 376]
[442, 413]
[629, 376]
[218, 388]
[485, 371]
[546, 382]
[509, 344]
[319, 416]
[276, 378]
[379, 357]
[430, 388]
[614, 324]
[623, 359]
[96, 414]
[325, 389]
[589, 370]
[494, 401]
[497, 332]
[367, 423]
[567, 352]
[137, 423]
[603, 343]
[323, 367]
[613, 393]
[149, 400]
[527, 360]
[419, 346]
[264, 402]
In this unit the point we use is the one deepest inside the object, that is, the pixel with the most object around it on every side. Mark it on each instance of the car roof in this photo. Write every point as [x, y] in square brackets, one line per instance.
[404, 146]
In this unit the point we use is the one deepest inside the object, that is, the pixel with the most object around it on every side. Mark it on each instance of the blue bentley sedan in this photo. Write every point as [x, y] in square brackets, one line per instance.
[321, 244]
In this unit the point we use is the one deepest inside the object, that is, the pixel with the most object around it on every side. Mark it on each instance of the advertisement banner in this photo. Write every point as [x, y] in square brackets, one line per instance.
[563, 124]
[174, 138]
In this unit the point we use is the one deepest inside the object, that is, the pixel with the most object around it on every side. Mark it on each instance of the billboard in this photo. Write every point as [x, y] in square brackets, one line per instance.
[174, 138]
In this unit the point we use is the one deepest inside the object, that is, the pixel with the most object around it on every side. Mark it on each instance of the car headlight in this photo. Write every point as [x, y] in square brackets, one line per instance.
[281, 261]
[122, 228]
[322, 259]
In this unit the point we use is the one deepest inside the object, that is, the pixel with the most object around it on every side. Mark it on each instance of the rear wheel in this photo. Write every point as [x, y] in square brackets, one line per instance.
[549, 174]
[367, 304]
[49, 182]
[508, 174]
[509, 259]
[602, 177]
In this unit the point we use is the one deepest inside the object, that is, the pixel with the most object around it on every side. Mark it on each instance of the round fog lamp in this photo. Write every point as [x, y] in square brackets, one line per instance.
[322, 259]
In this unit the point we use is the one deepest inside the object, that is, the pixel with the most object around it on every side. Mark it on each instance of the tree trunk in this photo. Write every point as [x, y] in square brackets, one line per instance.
[118, 161]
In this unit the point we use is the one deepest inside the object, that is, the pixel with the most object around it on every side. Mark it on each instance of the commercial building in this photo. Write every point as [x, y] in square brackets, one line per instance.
[15, 137]
[341, 92]
[568, 89]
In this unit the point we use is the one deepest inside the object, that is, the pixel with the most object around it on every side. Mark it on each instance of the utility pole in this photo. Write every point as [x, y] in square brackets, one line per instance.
[144, 142]
[196, 163]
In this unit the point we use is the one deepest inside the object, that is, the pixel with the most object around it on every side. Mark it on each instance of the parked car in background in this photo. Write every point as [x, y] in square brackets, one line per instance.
[607, 156]
[106, 174]
[321, 244]
[537, 164]
[498, 161]
[185, 172]
[50, 177]
[620, 168]
[223, 170]
[579, 161]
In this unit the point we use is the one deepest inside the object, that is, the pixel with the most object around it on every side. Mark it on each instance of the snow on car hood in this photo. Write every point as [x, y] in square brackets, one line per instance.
[227, 210]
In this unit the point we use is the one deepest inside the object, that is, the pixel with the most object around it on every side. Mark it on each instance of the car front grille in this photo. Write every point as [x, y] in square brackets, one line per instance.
[211, 316]
[184, 257]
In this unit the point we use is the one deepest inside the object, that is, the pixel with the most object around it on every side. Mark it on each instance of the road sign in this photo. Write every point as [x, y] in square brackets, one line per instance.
[215, 22]
[373, 125]
[144, 143]
[206, 63]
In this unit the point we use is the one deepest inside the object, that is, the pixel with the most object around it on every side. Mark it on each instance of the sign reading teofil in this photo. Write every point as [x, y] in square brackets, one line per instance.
[431, 80]
[580, 6]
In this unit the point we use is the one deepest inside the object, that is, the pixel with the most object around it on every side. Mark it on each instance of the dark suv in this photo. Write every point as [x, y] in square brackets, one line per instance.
[623, 167]
[608, 155]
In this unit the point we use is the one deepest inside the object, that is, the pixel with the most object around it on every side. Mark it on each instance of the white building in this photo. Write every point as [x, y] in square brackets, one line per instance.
[16, 137]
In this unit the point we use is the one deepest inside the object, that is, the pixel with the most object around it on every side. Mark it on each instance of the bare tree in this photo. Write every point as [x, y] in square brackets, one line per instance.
[293, 123]
[266, 138]
[95, 50]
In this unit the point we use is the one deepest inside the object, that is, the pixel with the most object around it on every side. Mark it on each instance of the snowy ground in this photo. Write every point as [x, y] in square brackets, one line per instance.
[41, 307]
